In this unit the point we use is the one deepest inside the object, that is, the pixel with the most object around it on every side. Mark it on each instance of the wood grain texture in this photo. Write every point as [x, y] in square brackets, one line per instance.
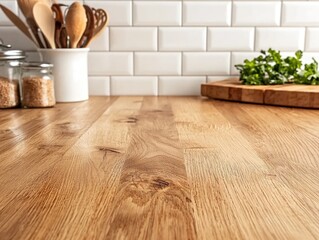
[291, 95]
[159, 168]
[248, 165]
[153, 192]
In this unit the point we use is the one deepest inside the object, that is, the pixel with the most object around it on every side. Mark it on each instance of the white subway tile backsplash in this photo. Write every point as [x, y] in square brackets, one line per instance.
[99, 86]
[312, 39]
[101, 42]
[157, 13]
[182, 39]
[210, 13]
[133, 38]
[308, 57]
[110, 63]
[256, 13]
[134, 86]
[170, 47]
[206, 63]
[13, 6]
[284, 39]
[301, 13]
[119, 12]
[231, 39]
[177, 86]
[157, 63]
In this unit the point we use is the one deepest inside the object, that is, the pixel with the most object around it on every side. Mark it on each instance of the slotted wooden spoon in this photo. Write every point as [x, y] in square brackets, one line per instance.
[100, 22]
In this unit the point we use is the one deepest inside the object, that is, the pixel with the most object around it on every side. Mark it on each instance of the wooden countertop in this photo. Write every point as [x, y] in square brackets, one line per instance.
[159, 168]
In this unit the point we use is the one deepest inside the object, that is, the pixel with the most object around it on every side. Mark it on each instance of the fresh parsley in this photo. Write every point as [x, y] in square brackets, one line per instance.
[271, 68]
[310, 74]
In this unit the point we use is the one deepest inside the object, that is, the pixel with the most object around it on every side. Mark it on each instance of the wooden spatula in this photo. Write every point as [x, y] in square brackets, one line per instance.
[43, 16]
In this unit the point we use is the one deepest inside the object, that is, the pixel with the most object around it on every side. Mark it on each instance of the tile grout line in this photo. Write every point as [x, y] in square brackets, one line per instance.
[207, 39]
[109, 32]
[109, 45]
[158, 77]
[232, 14]
[132, 13]
[110, 85]
[182, 25]
[182, 63]
[230, 62]
[157, 90]
[182, 13]
[305, 39]
[255, 39]
[133, 61]
[281, 12]
[132, 25]
[158, 38]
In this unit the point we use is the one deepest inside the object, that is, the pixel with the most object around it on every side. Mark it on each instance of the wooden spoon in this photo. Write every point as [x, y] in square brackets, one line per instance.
[17, 22]
[75, 23]
[43, 16]
[100, 21]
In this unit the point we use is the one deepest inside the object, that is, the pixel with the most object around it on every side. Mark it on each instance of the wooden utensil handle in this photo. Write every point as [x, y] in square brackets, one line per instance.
[34, 29]
[63, 38]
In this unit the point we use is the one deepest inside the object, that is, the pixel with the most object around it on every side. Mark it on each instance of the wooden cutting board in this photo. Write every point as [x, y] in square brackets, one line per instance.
[291, 95]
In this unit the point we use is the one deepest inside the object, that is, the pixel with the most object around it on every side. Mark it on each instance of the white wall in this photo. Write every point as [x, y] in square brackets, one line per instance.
[171, 47]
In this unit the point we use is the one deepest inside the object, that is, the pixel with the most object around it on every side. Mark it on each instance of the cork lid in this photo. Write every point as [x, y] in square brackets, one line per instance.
[6, 53]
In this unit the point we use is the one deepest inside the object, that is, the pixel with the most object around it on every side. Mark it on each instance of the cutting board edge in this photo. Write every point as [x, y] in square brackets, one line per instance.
[276, 95]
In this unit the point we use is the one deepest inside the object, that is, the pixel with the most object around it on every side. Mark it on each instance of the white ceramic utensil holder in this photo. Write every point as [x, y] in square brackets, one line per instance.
[70, 72]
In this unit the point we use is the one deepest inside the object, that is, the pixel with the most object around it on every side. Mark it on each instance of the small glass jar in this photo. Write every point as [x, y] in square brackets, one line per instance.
[9, 76]
[37, 87]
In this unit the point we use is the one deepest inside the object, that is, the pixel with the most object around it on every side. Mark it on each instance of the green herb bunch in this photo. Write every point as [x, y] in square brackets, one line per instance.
[310, 74]
[271, 68]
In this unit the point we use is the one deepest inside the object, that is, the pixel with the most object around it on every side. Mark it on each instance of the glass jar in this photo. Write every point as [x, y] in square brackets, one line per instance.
[9, 76]
[37, 85]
